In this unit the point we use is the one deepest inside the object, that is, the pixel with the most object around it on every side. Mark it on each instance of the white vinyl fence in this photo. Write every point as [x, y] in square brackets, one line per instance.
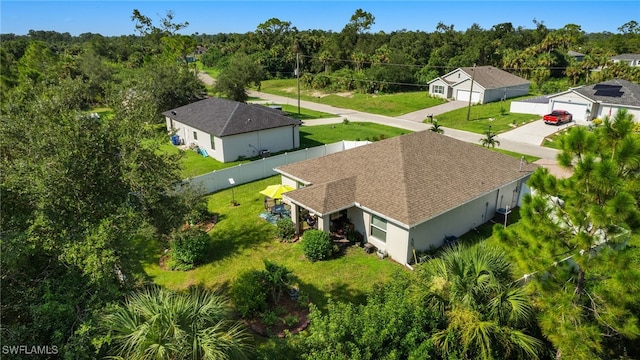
[260, 169]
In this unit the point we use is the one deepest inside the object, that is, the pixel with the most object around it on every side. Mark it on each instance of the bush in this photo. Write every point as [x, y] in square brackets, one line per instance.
[285, 229]
[316, 245]
[249, 293]
[199, 213]
[188, 248]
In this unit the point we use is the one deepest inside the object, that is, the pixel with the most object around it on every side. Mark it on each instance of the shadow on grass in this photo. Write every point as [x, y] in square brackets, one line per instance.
[307, 142]
[230, 241]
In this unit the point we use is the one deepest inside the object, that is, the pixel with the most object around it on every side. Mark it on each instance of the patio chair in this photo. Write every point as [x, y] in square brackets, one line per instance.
[269, 203]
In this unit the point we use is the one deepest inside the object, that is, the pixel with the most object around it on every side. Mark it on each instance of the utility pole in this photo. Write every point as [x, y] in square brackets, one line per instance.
[298, 76]
[473, 75]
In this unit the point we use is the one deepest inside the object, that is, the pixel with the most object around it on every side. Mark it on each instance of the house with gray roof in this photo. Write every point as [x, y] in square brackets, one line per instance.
[631, 59]
[481, 84]
[229, 130]
[408, 192]
[606, 98]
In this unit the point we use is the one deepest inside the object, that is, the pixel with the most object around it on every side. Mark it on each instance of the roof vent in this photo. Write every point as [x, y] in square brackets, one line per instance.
[173, 112]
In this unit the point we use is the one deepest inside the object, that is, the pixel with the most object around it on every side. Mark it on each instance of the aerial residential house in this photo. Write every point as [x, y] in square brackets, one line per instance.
[588, 102]
[482, 84]
[631, 59]
[230, 130]
[576, 55]
[408, 192]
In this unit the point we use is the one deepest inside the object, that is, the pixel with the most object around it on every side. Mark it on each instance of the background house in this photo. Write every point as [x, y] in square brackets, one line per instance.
[410, 191]
[587, 102]
[228, 130]
[489, 84]
[597, 101]
[631, 59]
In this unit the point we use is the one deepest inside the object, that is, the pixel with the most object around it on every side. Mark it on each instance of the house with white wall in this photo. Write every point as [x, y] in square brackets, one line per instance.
[230, 130]
[482, 84]
[408, 192]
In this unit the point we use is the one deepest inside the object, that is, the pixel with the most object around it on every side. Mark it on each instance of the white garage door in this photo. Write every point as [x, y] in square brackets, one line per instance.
[579, 111]
[463, 95]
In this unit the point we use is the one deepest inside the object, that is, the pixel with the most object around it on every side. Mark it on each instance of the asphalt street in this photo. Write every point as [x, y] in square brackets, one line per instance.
[525, 139]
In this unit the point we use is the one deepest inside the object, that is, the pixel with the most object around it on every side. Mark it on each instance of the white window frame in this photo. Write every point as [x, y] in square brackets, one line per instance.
[377, 229]
[195, 135]
[213, 142]
[438, 89]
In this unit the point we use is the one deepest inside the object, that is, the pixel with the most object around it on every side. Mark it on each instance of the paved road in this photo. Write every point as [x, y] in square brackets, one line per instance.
[523, 140]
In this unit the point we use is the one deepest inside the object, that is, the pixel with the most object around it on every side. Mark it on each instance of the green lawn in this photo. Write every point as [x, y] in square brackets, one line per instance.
[194, 164]
[241, 241]
[528, 158]
[305, 114]
[552, 140]
[382, 104]
[326, 134]
[481, 116]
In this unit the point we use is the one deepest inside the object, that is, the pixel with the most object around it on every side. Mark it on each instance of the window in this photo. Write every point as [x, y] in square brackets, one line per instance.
[438, 89]
[195, 135]
[379, 228]
[213, 142]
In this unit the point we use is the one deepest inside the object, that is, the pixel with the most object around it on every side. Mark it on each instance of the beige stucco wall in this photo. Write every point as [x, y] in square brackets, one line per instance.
[455, 76]
[605, 109]
[251, 144]
[507, 92]
[439, 82]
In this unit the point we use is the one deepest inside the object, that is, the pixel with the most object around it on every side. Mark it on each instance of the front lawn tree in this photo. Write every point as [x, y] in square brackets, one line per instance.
[572, 242]
[240, 73]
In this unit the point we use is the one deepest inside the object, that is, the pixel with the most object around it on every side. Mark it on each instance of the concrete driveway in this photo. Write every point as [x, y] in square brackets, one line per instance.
[532, 133]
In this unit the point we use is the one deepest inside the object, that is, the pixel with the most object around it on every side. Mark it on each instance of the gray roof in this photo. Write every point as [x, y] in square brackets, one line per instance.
[574, 53]
[493, 78]
[626, 57]
[617, 92]
[410, 178]
[222, 117]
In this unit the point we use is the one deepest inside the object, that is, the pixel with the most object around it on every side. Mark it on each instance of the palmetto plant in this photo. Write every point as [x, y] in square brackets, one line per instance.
[489, 139]
[436, 128]
[486, 315]
[156, 323]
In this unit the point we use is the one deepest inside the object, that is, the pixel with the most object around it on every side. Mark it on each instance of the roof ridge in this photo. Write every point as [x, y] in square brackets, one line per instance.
[228, 121]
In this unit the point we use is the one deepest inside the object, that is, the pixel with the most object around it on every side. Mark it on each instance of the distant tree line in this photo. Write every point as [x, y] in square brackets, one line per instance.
[353, 59]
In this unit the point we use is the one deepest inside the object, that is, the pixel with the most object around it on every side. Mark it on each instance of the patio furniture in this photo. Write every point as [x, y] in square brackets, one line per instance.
[279, 210]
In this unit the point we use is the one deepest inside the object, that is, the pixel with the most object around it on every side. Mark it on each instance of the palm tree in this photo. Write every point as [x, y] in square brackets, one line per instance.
[490, 139]
[436, 128]
[486, 314]
[156, 323]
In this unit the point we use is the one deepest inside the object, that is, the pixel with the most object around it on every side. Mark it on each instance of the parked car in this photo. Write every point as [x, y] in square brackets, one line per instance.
[558, 117]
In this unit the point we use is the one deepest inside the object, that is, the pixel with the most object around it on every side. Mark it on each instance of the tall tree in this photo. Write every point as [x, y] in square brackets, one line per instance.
[237, 76]
[571, 242]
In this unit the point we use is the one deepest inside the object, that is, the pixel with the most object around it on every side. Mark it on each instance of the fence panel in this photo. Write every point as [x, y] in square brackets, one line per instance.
[260, 169]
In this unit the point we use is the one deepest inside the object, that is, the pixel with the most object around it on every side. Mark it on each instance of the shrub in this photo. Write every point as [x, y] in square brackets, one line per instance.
[249, 293]
[199, 213]
[316, 245]
[188, 248]
[285, 229]
[277, 279]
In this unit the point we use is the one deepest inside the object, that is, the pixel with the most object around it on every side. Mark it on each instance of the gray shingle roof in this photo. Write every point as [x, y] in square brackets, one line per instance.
[493, 78]
[409, 178]
[222, 117]
[626, 57]
[617, 91]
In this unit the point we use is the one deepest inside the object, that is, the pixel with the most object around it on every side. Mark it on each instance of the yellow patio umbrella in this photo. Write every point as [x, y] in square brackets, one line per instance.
[276, 191]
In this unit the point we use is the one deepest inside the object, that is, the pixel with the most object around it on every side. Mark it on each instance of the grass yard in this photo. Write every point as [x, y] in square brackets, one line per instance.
[528, 158]
[382, 104]
[481, 116]
[552, 140]
[241, 241]
[305, 114]
[325, 134]
[194, 164]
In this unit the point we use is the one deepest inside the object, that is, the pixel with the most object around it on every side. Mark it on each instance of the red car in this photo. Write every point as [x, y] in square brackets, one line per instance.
[558, 117]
